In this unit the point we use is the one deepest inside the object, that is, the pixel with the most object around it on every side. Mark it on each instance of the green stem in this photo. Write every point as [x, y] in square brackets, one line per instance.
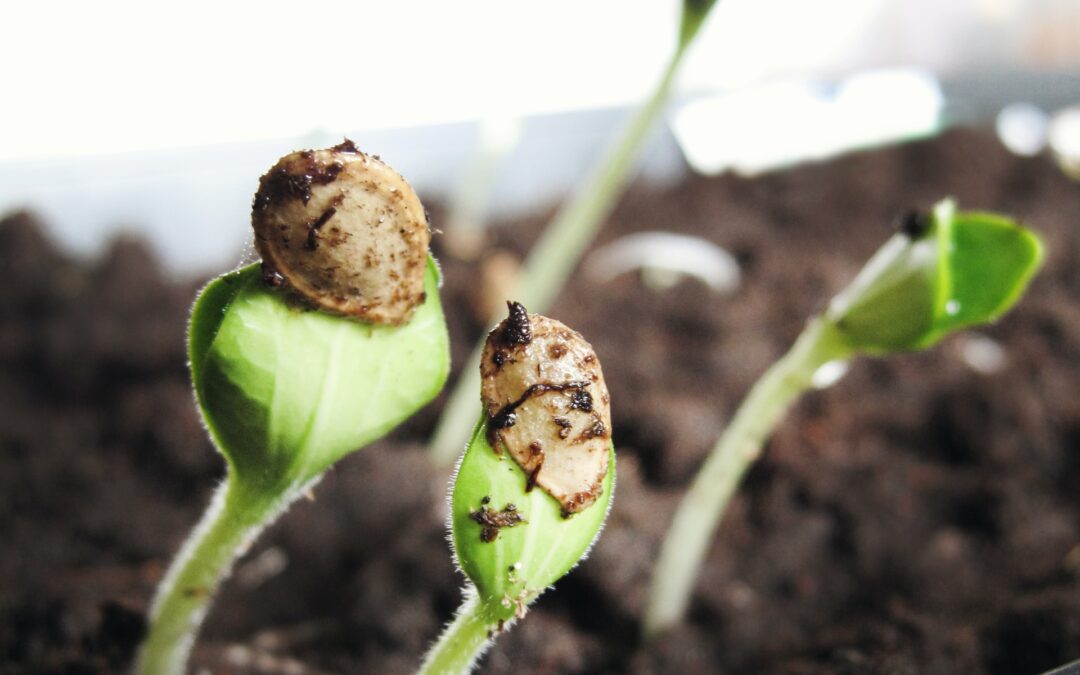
[465, 639]
[698, 515]
[231, 522]
[557, 252]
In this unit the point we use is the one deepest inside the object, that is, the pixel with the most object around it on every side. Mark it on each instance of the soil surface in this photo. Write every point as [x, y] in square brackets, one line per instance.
[921, 516]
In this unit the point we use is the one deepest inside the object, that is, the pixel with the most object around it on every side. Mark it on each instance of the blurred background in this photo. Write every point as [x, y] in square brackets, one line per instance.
[128, 116]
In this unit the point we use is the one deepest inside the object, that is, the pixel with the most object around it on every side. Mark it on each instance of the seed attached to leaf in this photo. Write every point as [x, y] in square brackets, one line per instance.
[546, 423]
[286, 393]
[345, 231]
[548, 406]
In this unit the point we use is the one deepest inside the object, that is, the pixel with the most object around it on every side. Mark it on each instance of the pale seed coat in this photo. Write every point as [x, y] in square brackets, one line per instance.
[345, 231]
[548, 406]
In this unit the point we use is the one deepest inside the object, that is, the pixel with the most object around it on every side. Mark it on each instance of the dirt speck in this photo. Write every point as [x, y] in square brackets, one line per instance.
[271, 277]
[491, 521]
[516, 329]
[914, 224]
[313, 229]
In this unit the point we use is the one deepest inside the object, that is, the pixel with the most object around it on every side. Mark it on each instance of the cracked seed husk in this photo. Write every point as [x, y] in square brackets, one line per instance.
[548, 406]
[345, 231]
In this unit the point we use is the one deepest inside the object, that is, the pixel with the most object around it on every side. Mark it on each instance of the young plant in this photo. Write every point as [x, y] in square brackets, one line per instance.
[942, 272]
[335, 339]
[564, 240]
[534, 486]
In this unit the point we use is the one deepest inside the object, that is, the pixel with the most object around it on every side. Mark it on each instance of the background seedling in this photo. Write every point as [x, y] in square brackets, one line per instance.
[286, 391]
[535, 484]
[942, 272]
[564, 240]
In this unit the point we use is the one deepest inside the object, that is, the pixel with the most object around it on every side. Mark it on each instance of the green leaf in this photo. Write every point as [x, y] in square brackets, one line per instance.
[286, 391]
[523, 560]
[991, 260]
[966, 269]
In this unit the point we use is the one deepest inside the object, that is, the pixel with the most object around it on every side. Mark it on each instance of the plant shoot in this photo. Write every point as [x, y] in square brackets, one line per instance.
[534, 486]
[942, 272]
[287, 389]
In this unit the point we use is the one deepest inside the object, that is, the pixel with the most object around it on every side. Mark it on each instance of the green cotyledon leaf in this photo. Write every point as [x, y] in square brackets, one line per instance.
[522, 559]
[286, 391]
[991, 260]
[957, 269]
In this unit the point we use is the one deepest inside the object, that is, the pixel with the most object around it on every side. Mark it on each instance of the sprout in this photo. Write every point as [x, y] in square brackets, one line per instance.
[287, 391]
[534, 486]
[942, 272]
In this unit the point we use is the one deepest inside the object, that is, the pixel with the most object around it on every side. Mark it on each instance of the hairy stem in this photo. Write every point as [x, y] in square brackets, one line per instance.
[698, 515]
[231, 522]
[465, 639]
[556, 254]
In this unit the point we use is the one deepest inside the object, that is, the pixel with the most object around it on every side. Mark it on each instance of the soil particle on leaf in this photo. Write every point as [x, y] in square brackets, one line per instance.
[491, 521]
[272, 277]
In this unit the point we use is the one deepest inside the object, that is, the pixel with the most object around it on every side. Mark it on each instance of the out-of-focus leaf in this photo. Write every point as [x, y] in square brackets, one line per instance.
[965, 269]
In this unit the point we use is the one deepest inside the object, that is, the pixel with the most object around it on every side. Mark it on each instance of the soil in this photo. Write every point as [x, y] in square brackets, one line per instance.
[921, 516]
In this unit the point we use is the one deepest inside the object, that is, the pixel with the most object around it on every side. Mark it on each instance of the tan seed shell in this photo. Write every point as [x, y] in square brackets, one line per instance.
[345, 231]
[548, 406]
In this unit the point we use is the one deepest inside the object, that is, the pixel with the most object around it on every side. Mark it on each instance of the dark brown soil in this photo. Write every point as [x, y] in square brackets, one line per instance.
[918, 517]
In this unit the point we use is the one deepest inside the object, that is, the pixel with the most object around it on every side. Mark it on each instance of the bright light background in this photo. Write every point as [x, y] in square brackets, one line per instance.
[96, 77]
[100, 79]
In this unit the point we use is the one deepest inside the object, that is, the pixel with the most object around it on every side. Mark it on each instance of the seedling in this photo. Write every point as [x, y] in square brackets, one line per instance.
[286, 389]
[564, 240]
[942, 272]
[534, 486]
